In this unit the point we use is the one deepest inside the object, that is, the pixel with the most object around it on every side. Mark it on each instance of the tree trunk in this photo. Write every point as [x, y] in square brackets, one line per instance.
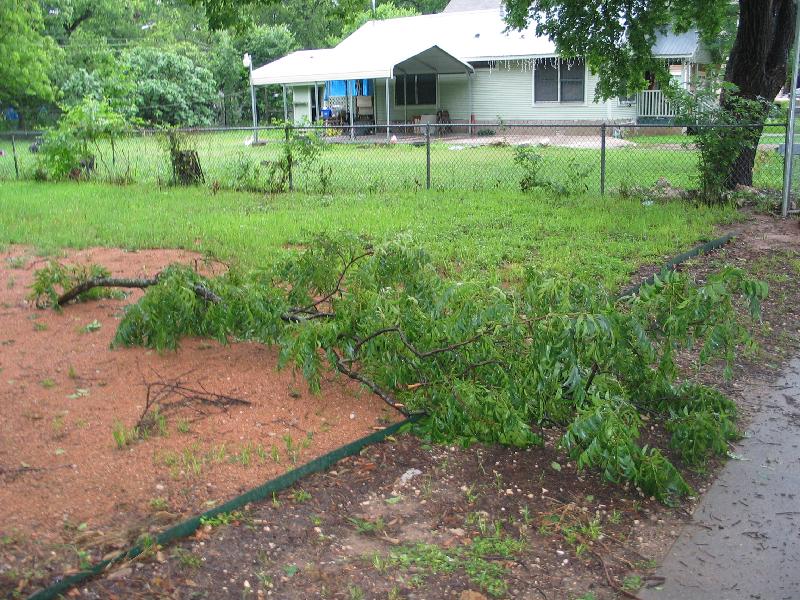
[758, 63]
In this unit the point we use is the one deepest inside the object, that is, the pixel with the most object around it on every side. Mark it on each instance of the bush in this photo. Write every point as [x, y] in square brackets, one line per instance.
[74, 146]
[723, 132]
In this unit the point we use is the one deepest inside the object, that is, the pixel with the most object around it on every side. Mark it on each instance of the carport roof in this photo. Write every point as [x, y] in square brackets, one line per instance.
[347, 62]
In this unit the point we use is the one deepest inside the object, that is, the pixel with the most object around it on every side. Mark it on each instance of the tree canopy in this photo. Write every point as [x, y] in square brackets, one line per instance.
[617, 37]
[58, 53]
[27, 54]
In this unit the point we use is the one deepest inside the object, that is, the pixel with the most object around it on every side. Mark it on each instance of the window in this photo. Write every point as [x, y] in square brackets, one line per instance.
[545, 83]
[559, 81]
[415, 89]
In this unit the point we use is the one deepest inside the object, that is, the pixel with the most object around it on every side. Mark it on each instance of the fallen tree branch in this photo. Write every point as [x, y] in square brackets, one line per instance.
[124, 282]
[89, 284]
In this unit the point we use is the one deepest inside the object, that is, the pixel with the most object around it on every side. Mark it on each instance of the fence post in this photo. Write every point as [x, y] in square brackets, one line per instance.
[14, 152]
[427, 156]
[288, 157]
[603, 159]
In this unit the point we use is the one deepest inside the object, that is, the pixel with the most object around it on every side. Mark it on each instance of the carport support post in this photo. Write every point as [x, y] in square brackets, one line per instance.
[469, 84]
[285, 106]
[602, 159]
[427, 156]
[350, 106]
[387, 109]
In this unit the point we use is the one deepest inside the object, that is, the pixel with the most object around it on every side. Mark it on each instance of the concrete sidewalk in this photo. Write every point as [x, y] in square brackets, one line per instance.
[744, 541]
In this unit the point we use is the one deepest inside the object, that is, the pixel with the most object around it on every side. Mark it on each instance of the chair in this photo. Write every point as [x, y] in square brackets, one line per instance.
[443, 118]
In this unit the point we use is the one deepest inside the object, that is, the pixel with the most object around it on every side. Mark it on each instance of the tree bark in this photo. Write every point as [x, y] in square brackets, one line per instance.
[758, 63]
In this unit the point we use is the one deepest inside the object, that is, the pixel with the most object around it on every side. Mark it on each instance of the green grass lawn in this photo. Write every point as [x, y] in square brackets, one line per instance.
[371, 167]
[495, 232]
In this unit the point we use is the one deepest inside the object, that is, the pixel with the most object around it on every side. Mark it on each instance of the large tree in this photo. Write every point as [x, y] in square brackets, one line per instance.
[25, 55]
[616, 37]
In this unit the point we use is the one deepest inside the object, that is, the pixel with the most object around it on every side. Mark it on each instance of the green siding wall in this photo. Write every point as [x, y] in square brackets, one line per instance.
[505, 92]
[301, 102]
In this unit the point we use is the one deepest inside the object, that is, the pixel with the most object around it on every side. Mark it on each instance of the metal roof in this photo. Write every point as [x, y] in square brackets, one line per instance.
[355, 62]
[450, 39]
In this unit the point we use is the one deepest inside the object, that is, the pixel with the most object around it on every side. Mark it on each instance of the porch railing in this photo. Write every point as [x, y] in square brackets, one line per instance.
[653, 104]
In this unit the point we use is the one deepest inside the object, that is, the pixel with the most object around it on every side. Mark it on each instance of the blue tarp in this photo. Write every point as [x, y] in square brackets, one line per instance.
[337, 87]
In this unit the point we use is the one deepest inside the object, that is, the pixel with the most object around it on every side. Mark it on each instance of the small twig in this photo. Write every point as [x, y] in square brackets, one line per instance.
[295, 317]
[611, 583]
[159, 392]
[592, 375]
[14, 473]
[336, 289]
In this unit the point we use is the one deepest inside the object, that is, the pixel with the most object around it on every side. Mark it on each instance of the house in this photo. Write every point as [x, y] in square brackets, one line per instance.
[462, 62]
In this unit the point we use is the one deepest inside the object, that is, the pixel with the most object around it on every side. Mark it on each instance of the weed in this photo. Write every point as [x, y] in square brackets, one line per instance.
[72, 373]
[292, 451]
[223, 518]
[316, 520]
[355, 593]
[40, 326]
[84, 559]
[124, 436]
[57, 424]
[367, 527]
[300, 495]
[187, 559]
[478, 560]
[183, 426]
[615, 517]
[16, 262]
[275, 454]
[525, 513]
[290, 570]
[471, 494]
[646, 565]
[95, 325]
[264, 579]
[632, 583]
[159, 504]
[148, 545]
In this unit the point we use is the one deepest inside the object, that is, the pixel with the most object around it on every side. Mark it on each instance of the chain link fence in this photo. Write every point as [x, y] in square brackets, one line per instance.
[791, 151]
[371, 158]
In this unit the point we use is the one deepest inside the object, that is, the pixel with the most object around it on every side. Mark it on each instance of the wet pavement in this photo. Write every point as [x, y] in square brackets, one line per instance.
[744, 538]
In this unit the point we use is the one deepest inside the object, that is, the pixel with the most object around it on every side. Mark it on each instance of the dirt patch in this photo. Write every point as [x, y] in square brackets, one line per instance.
[68, 488]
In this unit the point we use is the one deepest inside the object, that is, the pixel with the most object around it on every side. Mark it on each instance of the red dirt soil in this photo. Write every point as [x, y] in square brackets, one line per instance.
[62, 390]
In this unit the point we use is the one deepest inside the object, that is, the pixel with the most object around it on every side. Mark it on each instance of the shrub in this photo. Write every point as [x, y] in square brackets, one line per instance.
[75, 146]
[723, 132]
